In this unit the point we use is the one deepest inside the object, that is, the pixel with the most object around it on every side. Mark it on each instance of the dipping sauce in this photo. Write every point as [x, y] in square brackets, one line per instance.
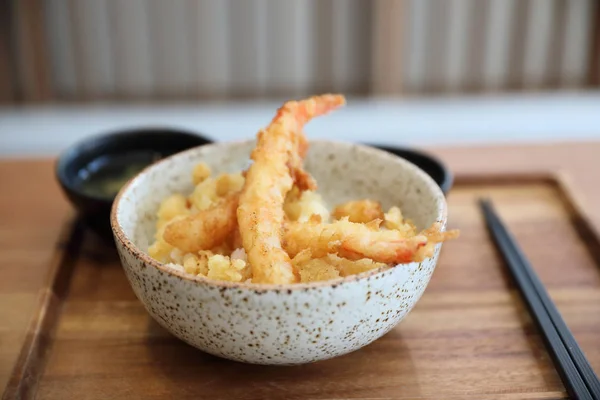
[106, 175]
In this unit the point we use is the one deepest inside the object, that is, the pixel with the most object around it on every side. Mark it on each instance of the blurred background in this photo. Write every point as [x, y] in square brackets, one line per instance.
[452, 56]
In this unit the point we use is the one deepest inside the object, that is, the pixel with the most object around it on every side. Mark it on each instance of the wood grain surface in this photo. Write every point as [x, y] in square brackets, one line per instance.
[32, 214]
[468, 337]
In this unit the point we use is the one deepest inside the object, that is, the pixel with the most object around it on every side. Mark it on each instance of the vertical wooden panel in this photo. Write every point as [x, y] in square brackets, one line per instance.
[132, 47]
[7, 67]
[398, 45]
[170, 47]
[594, 60]
[458, 44]
[60, 39]
[537, 43]
[436, 48]
[91, 35]
[248, 46]
[497, 44]
[576, 50]
[324, 44]
[517, 45]
[415, 32]
[380, 46]
[351, 25]
[304, 36]
[556, 43]
[288, 44]
[31, 56]
[210, 41]
[478, 20]
[391, 46]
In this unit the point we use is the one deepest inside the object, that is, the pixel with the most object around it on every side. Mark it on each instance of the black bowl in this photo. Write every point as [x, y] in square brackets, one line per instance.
[94, 210]
[431, 165]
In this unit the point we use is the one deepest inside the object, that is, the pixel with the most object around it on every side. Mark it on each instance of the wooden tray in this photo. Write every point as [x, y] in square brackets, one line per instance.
[468, 337]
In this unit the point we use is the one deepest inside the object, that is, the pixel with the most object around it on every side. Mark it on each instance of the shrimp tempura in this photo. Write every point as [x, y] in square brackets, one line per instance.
[353, 241]
[260, 213]
[206, 229]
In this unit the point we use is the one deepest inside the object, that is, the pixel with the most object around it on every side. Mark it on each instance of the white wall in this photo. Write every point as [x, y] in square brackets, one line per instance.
[469, 120]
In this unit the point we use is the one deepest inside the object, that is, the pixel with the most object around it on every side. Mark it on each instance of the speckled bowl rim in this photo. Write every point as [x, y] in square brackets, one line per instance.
[442, 215]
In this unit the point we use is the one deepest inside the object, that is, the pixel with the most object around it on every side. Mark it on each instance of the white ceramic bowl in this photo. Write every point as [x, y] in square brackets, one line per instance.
[269, 324]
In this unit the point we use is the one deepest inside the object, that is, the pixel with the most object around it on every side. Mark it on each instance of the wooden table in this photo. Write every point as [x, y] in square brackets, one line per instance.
[33, 212]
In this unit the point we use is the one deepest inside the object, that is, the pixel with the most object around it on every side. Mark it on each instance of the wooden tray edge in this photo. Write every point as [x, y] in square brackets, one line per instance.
[29, 366]
[25, 375]
[571, 198]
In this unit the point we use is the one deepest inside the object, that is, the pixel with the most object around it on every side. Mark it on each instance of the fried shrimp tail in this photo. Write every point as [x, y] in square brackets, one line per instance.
[434, 235]
[205, 229]
[353, 241]
[277, 160]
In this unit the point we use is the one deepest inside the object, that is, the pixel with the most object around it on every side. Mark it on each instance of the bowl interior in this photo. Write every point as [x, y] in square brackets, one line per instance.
[343, 171]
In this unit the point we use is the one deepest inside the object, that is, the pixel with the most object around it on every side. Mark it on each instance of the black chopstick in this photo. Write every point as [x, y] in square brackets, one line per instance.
[575, 371]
